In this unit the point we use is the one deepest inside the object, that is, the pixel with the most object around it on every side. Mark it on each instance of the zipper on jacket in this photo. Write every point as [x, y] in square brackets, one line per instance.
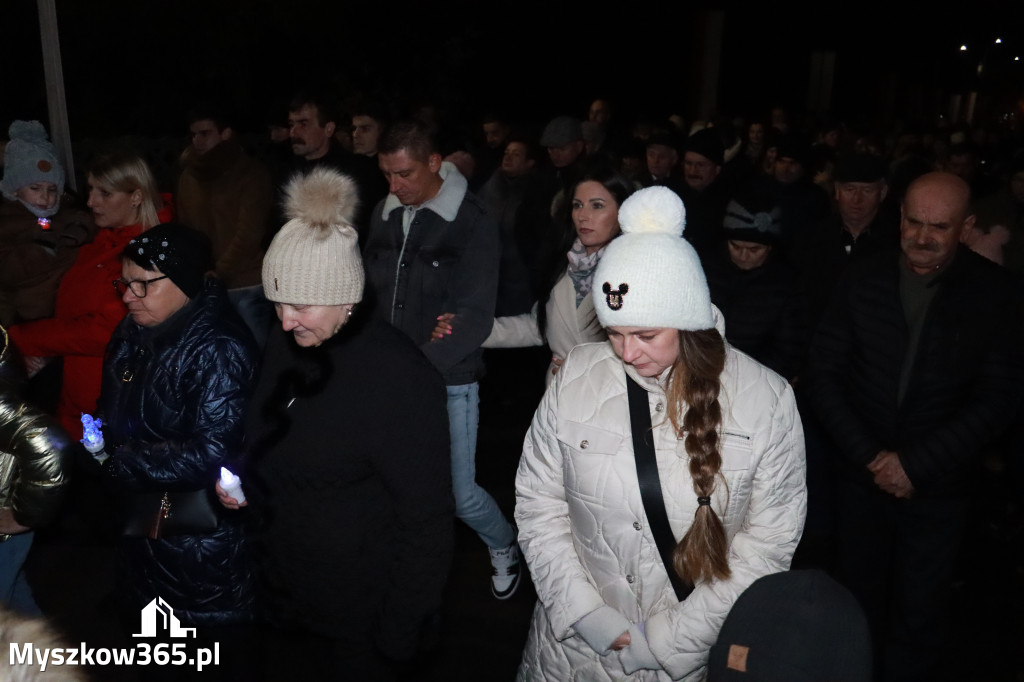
[736, 435]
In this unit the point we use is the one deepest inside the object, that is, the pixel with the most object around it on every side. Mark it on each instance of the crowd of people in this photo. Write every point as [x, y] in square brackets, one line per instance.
[770, 343]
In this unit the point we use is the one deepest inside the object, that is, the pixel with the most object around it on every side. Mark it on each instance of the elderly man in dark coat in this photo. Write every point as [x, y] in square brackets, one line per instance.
[915, 369]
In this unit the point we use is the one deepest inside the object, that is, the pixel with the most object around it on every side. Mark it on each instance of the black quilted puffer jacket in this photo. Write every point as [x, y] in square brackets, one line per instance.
[173, 401]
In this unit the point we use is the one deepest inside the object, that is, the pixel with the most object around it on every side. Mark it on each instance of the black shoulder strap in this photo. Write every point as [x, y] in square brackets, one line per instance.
[650, 482]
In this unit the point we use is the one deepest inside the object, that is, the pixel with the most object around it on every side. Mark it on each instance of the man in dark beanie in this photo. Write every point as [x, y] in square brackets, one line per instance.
[803, 203]
[859, 227]
[704, 192]
[662, 161]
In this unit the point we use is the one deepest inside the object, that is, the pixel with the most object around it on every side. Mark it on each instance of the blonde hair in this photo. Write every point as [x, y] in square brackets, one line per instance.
[130, 173]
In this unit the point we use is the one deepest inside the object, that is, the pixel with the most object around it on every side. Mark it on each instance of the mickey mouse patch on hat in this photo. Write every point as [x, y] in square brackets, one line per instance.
[614, 298]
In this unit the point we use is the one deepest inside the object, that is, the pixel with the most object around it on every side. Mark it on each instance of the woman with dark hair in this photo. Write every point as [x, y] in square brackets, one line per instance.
[663, 472]
[565, 317]
[124, 202]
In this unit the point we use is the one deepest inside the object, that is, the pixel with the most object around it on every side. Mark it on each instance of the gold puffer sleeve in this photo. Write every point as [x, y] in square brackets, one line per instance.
[35, 451]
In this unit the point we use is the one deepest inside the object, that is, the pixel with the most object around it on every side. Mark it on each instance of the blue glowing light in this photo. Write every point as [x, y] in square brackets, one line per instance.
[91, 430]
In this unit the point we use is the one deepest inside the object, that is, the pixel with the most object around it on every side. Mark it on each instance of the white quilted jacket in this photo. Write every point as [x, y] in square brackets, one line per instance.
[582, 526]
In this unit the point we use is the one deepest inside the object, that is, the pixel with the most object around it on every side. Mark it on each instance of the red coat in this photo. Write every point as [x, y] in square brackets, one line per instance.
[87, 311]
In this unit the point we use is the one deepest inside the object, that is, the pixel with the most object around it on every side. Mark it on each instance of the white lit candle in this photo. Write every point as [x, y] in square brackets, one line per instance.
[232, 485]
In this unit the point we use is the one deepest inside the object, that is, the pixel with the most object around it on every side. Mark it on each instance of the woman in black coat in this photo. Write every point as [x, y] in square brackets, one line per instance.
[348, 467]
[177, 378]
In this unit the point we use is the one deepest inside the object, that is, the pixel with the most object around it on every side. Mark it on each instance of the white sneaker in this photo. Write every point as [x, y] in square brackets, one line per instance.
[506, 571]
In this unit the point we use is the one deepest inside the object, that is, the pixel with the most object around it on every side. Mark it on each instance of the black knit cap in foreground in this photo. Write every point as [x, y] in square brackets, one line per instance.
[796, 626]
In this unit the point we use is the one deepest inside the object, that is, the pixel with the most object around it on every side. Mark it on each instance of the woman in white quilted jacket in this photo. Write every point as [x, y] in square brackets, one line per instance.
[721, 460]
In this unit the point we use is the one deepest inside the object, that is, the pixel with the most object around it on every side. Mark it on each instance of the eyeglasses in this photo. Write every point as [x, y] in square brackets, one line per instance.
[137, 286]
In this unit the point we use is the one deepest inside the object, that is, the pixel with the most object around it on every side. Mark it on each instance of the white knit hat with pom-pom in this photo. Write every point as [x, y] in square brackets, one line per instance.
[650, 276]
[314, 259]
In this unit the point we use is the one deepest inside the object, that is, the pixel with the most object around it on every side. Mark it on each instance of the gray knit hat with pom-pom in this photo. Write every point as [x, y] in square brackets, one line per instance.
[314, 259]
[30, 157]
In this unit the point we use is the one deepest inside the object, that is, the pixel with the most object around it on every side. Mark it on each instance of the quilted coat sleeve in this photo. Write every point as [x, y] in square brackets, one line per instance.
[219, 388]
[545, 534]
[681, 637]
[40, 448]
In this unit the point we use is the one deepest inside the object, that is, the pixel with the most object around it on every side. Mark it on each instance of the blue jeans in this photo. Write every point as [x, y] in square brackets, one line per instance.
[14, 589]
[473, 504]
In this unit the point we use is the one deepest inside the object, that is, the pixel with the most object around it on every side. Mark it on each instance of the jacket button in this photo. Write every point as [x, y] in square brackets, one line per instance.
[399, 306]
[403, 264]
[584, 444]
[435, 264]
[659, 407]
[636, 525]
[630, 579]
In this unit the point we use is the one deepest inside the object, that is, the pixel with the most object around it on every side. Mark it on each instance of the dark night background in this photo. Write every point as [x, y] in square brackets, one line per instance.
[134, 67]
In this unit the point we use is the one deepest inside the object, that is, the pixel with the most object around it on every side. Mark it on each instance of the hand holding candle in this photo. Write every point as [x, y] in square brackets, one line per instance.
[92, 437]
[232, 485]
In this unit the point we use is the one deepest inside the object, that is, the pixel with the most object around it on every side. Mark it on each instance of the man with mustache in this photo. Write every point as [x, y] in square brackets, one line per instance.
[914, 372]
[312, 123]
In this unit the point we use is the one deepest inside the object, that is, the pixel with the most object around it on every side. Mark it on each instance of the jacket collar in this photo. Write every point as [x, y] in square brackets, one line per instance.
[448, 199]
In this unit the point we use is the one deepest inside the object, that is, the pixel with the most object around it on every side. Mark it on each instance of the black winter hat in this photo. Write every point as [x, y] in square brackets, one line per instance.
[860, 168]
[707, 143]
[181, 253]
[797, 626]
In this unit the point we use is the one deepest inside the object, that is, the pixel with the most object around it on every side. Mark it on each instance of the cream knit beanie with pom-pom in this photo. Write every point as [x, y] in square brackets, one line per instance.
[650, 276]
[314, 259]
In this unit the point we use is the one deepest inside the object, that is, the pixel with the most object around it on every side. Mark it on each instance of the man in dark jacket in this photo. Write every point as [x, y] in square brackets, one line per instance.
[915, 368]
[432, 249]
[226, 194]
[312, 122]
[859, 228]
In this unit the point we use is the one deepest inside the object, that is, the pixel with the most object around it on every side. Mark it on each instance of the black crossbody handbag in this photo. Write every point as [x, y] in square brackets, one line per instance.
[650, 482]
[156, 515]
